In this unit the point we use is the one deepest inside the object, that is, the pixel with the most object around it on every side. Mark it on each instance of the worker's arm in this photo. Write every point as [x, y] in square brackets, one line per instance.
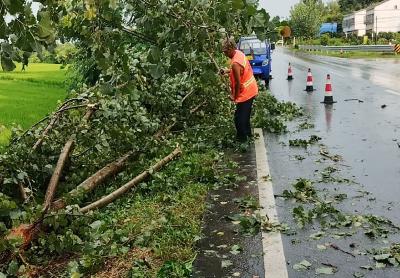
[237, 69]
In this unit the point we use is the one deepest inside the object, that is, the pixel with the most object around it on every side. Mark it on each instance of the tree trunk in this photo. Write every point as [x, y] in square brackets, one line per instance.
[126, 187]
[96, 179]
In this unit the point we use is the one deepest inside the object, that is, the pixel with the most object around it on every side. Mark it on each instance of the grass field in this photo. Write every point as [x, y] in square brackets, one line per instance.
[26, 97]
[354, 54]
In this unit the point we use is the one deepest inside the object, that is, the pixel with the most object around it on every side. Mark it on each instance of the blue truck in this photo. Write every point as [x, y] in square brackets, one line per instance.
[259, 54]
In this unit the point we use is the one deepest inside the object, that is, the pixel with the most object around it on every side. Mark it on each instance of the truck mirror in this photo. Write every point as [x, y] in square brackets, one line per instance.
[272, 46]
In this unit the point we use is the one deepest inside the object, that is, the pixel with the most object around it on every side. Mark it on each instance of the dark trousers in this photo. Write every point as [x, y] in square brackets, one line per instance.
[242, 120]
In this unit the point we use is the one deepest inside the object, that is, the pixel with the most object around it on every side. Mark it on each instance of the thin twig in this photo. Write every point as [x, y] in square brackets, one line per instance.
[334, 246]
[187, 95]
[195, 109]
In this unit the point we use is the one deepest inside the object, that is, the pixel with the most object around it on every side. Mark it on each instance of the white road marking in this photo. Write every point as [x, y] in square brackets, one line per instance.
[274, 257]
[393, 92]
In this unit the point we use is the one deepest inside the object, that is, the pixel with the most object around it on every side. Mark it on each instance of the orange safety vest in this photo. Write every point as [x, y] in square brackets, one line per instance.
[248, 84]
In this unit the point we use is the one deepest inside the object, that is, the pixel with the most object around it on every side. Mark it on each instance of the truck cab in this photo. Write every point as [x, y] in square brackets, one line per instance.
[259, 54]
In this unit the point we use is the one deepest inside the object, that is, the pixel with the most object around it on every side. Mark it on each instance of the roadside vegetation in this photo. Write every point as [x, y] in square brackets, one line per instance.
[113, 181]
[350, 54]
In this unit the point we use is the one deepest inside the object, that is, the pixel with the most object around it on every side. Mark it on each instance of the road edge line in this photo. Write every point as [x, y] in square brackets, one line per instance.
[274, 257]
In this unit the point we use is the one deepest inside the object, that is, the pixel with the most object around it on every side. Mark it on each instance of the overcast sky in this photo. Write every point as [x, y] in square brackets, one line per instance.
[279, 7]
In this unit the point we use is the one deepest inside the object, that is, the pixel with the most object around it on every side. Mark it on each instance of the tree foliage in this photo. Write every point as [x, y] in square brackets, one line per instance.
[149, 71]
[348, 6]
[21, 32]
[333, 12]
[306, 18]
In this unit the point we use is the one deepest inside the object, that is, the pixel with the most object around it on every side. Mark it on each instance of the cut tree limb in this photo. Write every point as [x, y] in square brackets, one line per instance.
[51, 189]
[96, 179]
[65, 154]
[126, 187]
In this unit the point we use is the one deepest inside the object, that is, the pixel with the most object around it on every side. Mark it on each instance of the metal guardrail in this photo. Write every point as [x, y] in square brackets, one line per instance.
[366, 48]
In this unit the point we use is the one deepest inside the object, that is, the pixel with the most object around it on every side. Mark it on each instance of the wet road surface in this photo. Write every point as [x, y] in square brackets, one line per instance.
[216, 259]
[363, 133]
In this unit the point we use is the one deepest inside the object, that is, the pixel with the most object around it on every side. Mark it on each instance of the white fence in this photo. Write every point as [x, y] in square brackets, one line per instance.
[365, 48]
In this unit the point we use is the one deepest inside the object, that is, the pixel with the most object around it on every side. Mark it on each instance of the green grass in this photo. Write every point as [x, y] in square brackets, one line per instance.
[354, 54]
[26, 97]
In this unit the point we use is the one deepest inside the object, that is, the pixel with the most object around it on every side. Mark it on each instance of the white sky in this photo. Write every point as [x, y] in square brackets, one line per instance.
[279, 7]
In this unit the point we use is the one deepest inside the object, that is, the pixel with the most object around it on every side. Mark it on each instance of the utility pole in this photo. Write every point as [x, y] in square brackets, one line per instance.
[376, 29]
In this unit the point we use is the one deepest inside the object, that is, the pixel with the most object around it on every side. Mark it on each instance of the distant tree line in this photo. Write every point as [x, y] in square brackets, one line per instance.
[348, 6]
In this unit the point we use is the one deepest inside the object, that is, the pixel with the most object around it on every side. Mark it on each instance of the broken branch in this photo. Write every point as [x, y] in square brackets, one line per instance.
[53, 121]
[126, 187]
[96, 179]
[51, 189]
[334, 246]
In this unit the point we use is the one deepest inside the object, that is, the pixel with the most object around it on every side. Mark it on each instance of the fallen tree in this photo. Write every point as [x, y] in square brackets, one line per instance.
[157, 76]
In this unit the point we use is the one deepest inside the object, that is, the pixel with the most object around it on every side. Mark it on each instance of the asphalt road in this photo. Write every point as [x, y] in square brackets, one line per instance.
[363, 133]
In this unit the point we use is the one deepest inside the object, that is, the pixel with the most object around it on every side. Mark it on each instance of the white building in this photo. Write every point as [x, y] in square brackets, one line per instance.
[354, 23]
[380, 17]
[383, 17]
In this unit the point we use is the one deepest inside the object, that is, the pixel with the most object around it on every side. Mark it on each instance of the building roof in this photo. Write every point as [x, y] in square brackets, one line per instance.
[369, 7]
[377, 4]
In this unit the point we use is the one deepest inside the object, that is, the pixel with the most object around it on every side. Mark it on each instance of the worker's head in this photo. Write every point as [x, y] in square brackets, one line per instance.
[229, 47]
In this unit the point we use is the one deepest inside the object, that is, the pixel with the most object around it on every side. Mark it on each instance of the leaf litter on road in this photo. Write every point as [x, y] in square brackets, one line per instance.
[303, 265]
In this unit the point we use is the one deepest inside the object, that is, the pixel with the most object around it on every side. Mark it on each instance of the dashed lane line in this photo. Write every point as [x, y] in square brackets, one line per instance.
[274, 257]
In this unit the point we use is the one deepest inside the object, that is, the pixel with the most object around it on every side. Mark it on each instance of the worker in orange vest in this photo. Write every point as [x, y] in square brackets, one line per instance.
[244, 88]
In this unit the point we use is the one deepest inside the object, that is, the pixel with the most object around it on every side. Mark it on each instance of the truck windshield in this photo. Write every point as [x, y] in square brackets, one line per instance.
[259, 47]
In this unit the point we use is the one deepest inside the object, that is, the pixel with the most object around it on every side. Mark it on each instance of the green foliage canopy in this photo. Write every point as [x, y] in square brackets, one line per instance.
[306, 18]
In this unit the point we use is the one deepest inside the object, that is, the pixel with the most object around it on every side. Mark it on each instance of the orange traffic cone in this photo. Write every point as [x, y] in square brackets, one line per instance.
[290, 73]
[328, 91]
[310, 86]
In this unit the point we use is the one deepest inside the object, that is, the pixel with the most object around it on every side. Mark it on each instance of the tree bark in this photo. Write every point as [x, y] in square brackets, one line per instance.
[126, 187]
[22, 192]
[93, 181]
[65, 154]
[51, 189]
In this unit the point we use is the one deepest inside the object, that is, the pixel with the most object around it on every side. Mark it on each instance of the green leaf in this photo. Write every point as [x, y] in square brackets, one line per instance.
[317, 235]
[113, 4]
[235, 249]
[321, 247]
[380, 265]
[45, 28]
[367, 267]
[6, 63]
[96, 224]
[237, 4]
[326, 270]
[358, 274]
[382, 257]
[226, 263]
[303, 265]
